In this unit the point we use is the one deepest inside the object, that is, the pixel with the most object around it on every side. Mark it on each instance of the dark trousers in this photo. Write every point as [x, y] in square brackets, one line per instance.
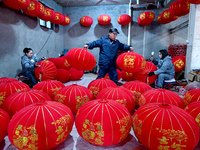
[31, 77]
[112, 72]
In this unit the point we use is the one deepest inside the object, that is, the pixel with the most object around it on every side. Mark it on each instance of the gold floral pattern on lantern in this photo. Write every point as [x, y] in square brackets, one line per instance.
[129, 61]
[31, 6]
[179, 63]
[55, 90]
[2, 97]
[137, 125]
[142, 100]
[81, 100]
[188, 97]
[61, 98]
[94, 90]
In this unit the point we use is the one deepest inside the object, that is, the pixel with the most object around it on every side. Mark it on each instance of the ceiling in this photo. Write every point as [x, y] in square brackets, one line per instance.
[76, 3]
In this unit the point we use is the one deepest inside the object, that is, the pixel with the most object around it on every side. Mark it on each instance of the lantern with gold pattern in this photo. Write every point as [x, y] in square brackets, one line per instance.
[86, 21]
[66, 21]
[124, 19]
[35, 9]
[104, 19]
[146, 18]
[179, 63]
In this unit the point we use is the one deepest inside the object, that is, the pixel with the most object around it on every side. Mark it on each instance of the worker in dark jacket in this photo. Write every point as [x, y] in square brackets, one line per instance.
[165, 66]
[109, 46]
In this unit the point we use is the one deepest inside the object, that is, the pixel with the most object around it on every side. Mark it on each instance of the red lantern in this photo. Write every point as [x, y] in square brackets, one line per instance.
[81, 59]
[86, 21]
[119, 94]
[143, 75]
[47, 70]
[19, 100]
[66, 21]
[63, 75]
[17, 4]
[124, 19]
[73, 96]
[194, 1]
[127, 76]
[191, 96]
[59, 18]
[103, 122]
[8, 88]
[40, 126]
[159, 126]
[75, 74]
[97, 85]
[104, 19]
[4, 119]
[51, 87]
[137, 88]
[167, 17]
[49, 14]
[60, 62]
[180, 8]
[35, 9]
[179, 63]
[5, 80]
[118, 74]
[161, 96]
[146, 18]
[131, 62]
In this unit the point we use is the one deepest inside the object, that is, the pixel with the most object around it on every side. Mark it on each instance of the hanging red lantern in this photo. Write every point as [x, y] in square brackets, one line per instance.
[66, 21]
[137, 88]
[103, 122]
[49, 14]
[131, 62]
[161, 96]
[60, 62]
[4, 119]
[59, 18]
[180, 8]
[63, 75]
[75, 74]
[51, 87]
[127, 76]
[191, 96]
[19, 100]
[118, 74]
[46, 71]
[8, 88]
[73, 96]
[86, 21]
[40, 126]
[104, 19]
[81, 59]
[194, 1]
[5, 80]
[159, 126]
[124, 19]
[17, 4]
[179, 63]
[119, 94]
[35, 9]
[97, 85]
[146, 18]
[143, 75]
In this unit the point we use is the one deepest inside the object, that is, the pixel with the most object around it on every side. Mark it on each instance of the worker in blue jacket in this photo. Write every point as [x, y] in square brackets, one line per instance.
[109, 46]
[165, 69]
[29, 62]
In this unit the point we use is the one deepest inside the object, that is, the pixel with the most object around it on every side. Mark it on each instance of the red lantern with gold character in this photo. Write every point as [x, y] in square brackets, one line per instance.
[161, 96]
[11, 87]
[97, 85]
[118, 94]
[167, 16]
[75, 74]
[104, 19]
[194, 1]
[146, 18]
[4, 119]
[86, 21]
[180, 8]
[103, 122]
[66, 21]
[17, 4]
[46, 71]
[63, 75]
[81, 59]
[127, 76]
[51, 87]
[179, 63]
[49, 14]
[124, 19]
[73, 96]
[191, 96]
[40, 126]
[137, 88]
[159, 126]
[35, 9]
[131, 62]
[59, 18]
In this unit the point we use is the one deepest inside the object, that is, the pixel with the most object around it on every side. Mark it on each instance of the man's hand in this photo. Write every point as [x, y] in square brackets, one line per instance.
[86, 46]
[131, 49]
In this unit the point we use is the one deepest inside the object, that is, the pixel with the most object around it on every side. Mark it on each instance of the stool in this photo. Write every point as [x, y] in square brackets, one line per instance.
[168, 84]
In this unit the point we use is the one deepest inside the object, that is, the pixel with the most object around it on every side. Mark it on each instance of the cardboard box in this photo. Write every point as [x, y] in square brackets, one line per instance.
[193, 77]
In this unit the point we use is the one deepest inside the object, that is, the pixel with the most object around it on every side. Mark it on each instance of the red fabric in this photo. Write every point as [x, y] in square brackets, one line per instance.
[97, 85]
[19, 100]
[59, 18]
[49, 14]
[159, 126]
[75, 74]
[4, 119]
[73, 96]
[5, 79]
[86, 21]
[35, 9]
[104, 19]
[51, 87]
[17, 4]
[126, 76]
[146, 18]
[180, 8]
[194, 1]
[161, 96]
[40, 126]
[179, 63]
[63, 75]
[124, 19]
[66, 21]
[119, 94]
[103, 122]
[191, 96]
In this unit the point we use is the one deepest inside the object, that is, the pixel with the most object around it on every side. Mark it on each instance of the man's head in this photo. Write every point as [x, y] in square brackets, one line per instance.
[113, 33]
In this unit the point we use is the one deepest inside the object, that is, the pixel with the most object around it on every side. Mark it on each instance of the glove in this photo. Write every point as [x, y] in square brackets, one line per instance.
[151, 73]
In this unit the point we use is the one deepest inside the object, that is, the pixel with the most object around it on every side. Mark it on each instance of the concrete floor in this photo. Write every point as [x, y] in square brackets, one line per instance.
[75, 142]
